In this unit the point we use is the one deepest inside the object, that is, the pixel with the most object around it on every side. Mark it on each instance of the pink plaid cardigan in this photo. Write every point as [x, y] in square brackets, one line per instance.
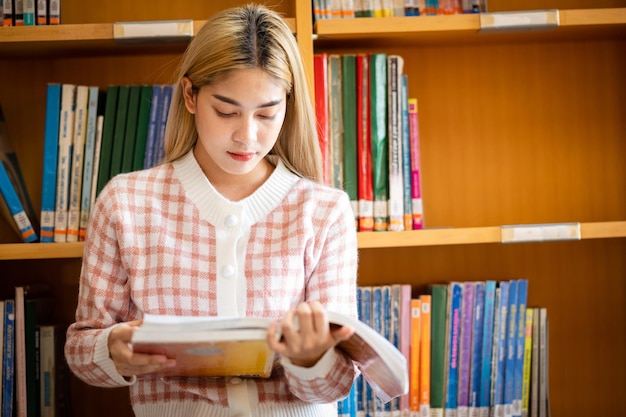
[164, 241]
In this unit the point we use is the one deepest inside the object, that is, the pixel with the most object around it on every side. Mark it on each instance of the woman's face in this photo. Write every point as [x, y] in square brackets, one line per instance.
[238, 120]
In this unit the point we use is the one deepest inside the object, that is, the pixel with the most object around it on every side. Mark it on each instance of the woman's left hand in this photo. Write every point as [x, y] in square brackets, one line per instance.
[305, 334]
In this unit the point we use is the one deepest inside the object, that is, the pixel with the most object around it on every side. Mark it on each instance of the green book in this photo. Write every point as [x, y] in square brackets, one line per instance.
[379, 139]
[143, 121]
[120, 130]
[439, 303]
[131, 128]
[108, 128]
[350, 156]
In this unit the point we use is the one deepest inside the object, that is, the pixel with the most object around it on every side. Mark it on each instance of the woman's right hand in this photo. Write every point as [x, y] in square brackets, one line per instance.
[126, 361]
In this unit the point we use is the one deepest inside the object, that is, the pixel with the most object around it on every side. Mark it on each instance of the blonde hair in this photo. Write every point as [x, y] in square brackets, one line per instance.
[245, 37]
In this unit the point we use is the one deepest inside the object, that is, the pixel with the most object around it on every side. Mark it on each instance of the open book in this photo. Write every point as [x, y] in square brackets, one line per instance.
[236, 346]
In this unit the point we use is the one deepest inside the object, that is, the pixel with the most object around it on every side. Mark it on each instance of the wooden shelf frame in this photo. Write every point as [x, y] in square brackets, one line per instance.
[366, 240]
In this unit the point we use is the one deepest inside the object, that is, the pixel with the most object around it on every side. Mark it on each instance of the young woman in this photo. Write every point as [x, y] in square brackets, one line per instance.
[235, 222]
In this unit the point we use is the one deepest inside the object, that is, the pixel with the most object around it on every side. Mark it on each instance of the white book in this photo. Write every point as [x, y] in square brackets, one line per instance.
[96, 159]
[47, 370]
[66, 136]
[78, 157]
[88, 164]
[395, 65]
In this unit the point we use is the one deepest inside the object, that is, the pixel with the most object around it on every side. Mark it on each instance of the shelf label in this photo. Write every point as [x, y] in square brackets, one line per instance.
[153, 31]
[519, 21]
[540, 232]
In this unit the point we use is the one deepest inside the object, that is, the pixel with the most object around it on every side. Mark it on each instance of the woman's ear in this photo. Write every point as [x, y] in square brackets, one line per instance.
[189, 94]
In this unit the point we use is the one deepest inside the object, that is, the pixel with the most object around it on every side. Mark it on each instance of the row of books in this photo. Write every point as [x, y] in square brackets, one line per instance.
[368, 129]
[347, 9]
[473, 348]
[30, 12]
[90, 136]
[33, 374]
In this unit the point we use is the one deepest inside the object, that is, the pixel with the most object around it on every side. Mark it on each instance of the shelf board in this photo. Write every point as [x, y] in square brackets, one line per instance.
[82, 39]
[367, 240]
[577, 23]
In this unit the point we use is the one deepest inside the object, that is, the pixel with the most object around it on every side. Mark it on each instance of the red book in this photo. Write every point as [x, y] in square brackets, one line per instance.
[364, 146]
[320, 77]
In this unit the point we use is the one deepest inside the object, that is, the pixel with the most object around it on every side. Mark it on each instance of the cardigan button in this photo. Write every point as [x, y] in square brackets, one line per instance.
[228, 271]
[231, 220]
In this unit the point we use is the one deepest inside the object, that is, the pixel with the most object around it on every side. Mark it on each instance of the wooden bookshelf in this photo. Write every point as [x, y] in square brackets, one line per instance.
[562, 90]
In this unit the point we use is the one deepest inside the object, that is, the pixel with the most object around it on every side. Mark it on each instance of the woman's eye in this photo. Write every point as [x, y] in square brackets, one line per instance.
[221, 114]
[266, 116]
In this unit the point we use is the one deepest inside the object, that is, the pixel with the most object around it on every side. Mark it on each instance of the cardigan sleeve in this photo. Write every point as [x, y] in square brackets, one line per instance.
[332, 282]
[103, 299]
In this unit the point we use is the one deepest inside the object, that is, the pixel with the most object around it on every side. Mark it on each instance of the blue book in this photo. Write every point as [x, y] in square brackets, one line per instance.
[153, 124]
[8, 361]
[406, 154]
[511, 345]
[465, 346]
[522, 300]
[50, 150]
[478, 325]
[159, 151]
[484, 398]
[455, 298]
[499, 361]
[15, 207]
[347, 406]
[377, 324]
[367, 303]
[361, 294]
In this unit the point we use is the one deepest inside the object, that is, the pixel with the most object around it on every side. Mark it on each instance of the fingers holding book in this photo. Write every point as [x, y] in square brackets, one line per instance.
[305, 334]
[127, 362]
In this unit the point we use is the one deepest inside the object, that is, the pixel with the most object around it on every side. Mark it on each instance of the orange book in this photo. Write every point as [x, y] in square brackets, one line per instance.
[414, 362]
[425, 355]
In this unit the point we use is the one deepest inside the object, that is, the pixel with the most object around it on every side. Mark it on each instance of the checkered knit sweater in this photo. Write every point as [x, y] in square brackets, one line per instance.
[164, 241]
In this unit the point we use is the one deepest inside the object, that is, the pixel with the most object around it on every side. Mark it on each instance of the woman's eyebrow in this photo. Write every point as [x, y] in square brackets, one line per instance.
[236, 103]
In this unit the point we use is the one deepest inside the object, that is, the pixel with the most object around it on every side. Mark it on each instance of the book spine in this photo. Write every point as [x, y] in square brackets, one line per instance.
[78, 158]
[439, 297]
[478, 324]
[543, 363]
[417, 207]
[484, 398]
[414, 362]
[18, 12]
[528, 350]
[406, 155]
[534, 365]
[143, 125]
[130, 132]
[47, 371]
[7, 13]
[379, 139]
[364, 147]
[335, 120]
[499, 361]
[320, 75]
[364, 298]
[42, 12]
[108, 130]
[8, 364]
[153, 125]
[66, 135]
[368, 308]
[455, 297]
[48, 180]
[425, 356]
[29, 12]
[96, 157]
[54, 13]
[20, 353]
[396, 183]
[159, 151]
[522, 296]
[465, 347]
[349, 123]
[121, 119]
[7, 189]
[511, 347]
[88, 166]
[405, 291]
